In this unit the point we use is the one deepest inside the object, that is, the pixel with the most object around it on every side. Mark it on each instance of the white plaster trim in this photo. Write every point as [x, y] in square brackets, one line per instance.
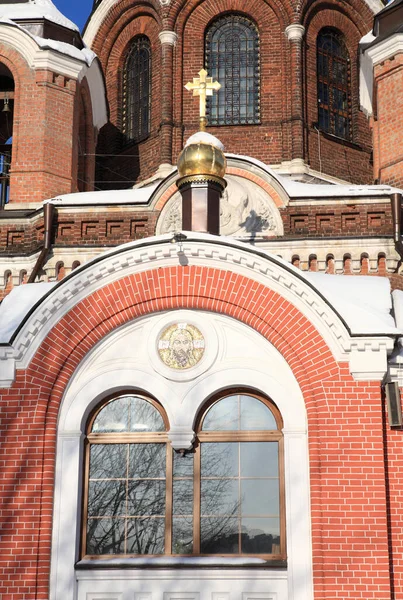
[234, 256]
[168, 37]
[388, 48]
[20, 41]
[374, 55]
[38, 58]
[96, 85]
[96, 20]
[76, 406]
[294, 32]
[375, 5]
[59, 63]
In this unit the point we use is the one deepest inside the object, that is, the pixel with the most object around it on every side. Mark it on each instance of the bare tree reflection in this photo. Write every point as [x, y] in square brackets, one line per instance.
[127, 503]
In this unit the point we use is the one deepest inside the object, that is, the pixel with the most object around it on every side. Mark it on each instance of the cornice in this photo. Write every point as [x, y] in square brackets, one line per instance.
[199, 250]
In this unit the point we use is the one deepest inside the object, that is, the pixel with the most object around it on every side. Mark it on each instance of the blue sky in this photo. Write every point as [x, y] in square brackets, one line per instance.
[76, 10]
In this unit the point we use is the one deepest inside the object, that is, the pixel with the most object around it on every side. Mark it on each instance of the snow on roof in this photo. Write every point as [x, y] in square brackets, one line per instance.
[298, 189]
[17, 304]
[131, 196]
[202, 137]
[364, 302]
[36, 9]
[85, 55]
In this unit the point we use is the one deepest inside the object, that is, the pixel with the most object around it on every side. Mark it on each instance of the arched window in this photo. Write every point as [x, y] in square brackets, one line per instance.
[334, 84]
[225, 497]
[232, 58]
[137, 90]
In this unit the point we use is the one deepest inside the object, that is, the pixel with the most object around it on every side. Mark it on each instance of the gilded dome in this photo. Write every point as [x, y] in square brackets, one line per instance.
[202, 156]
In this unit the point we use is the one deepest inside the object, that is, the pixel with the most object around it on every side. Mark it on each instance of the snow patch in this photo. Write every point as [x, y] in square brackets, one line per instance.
[184, 561]
[84, 55]
[131, 196]
[17, 304]
[202, 137]
[364, 303]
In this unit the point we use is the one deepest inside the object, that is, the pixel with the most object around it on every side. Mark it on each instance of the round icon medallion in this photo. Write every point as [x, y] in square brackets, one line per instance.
[181, 346]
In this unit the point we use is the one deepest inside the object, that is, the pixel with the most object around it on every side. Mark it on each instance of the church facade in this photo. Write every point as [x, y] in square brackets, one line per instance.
[202, 315]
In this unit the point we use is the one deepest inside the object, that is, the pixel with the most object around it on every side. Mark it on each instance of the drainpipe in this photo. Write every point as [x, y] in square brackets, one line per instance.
[396, 201]
[48, 212]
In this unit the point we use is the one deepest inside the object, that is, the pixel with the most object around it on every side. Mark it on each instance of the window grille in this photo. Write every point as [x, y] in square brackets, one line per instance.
[232, 58]
[334, 84]
[137, 90]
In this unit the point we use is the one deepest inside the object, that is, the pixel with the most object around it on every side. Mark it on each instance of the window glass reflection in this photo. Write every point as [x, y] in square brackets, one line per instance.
[182, 535]
[259, 459]
[145, 536]
[260, 536]
[219, 535]
[129, 413]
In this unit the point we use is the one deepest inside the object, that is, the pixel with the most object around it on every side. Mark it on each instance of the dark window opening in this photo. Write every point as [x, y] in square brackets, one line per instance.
[334, 84]
[137, 90]
[6, 131]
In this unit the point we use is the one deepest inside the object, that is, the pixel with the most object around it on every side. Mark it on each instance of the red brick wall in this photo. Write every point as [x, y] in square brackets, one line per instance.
[350, 161]
[273, 140]
[123, 23]
[42, 164]
[347, 469]
[388, 124]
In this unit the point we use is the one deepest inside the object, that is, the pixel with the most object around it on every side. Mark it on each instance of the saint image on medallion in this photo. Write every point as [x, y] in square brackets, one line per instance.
[181, 346]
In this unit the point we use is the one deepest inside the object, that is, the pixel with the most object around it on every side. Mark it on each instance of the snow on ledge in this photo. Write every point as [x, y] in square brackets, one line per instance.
[130, 196]
[173, 561]
[364, 302]
[17, 304]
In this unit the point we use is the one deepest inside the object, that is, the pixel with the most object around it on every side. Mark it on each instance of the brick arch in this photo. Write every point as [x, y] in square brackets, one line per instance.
[135, 21]
[180, 10]
[34, 400]
[145, 293]
[358, 11]
[118, 17]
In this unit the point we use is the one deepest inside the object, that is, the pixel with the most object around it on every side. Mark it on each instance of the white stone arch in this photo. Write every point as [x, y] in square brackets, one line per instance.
[97, 378]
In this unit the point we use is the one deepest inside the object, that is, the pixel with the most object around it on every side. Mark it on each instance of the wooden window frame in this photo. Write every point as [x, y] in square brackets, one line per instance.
[201, 437]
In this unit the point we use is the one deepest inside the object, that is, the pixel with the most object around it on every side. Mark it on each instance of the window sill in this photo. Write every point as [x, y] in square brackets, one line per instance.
[338, 140]
[173, 562]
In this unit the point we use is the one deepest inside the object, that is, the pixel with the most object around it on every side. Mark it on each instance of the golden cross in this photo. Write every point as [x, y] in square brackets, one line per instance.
[203, 86]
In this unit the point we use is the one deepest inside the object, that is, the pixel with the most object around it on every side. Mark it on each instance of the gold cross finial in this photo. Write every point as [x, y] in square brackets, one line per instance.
[203, 86]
